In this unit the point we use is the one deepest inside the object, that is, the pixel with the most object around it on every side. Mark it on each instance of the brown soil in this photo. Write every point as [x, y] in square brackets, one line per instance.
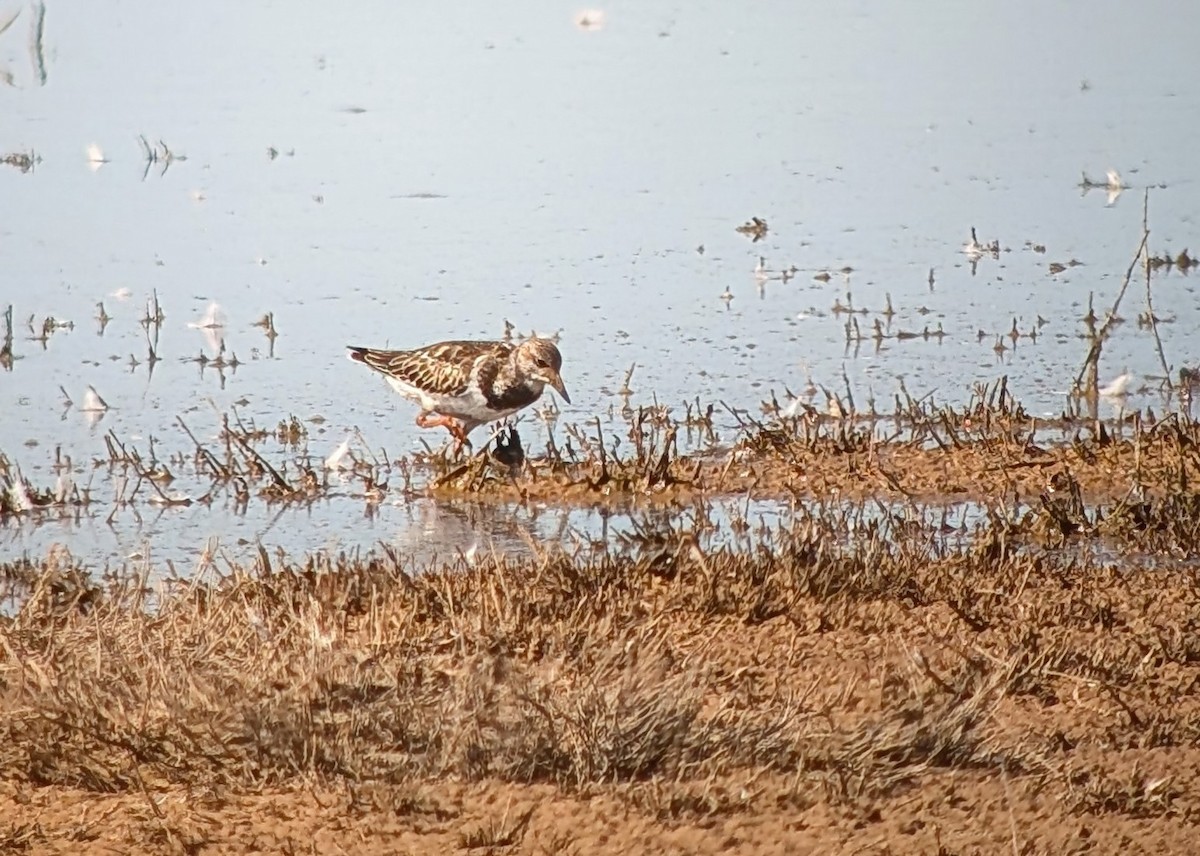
[882, 694]
[865, 685]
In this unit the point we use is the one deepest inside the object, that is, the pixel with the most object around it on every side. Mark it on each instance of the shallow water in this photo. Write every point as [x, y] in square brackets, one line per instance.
[422, 531]
[438, 171]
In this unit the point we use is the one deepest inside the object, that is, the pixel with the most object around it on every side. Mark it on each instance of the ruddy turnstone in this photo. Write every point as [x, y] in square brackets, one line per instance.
[461, 385]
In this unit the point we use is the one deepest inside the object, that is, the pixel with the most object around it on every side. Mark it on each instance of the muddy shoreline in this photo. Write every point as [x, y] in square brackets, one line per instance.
[877, 692]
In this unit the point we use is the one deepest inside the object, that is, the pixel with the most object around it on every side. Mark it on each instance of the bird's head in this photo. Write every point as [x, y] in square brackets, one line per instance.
[539, 359]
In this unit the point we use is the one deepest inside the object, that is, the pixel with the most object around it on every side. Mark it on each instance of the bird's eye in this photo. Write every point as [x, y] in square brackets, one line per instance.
[542, 364]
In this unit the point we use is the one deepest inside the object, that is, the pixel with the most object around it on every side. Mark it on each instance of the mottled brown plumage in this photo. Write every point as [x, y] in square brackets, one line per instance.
[441, 369]
[463, 384]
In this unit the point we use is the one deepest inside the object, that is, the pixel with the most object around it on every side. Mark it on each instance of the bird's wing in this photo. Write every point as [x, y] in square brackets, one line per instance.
[441, 369]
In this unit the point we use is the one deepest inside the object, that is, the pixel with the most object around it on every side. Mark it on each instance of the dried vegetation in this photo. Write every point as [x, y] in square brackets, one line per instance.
[838, 671]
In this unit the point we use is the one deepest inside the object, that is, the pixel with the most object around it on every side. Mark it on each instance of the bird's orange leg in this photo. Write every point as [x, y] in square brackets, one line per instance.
[440, 420]
[425, 419]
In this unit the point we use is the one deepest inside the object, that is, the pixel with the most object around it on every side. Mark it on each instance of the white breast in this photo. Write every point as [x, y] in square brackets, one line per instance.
[470, 405]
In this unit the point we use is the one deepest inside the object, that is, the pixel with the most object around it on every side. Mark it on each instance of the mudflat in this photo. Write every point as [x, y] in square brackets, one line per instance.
[856, 683]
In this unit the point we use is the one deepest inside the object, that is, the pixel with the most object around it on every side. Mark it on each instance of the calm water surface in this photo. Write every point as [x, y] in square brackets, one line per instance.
[401, 173]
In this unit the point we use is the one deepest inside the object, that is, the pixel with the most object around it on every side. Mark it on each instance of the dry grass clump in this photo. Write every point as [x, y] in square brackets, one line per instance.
[359, 672]
[988, 451]
[1157, 525]
[1157, 515]
[666, 667]
[643, 460]
[19, 496]
[24, 161]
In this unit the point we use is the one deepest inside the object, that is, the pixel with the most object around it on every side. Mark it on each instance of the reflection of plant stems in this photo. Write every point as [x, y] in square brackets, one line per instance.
[39, 32]
[4, 25]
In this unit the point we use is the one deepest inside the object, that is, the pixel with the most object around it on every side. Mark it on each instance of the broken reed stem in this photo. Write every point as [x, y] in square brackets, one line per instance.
[1162, 357]
[6, 347]
[1092, 361]
[1158, 345]
[279, 480]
